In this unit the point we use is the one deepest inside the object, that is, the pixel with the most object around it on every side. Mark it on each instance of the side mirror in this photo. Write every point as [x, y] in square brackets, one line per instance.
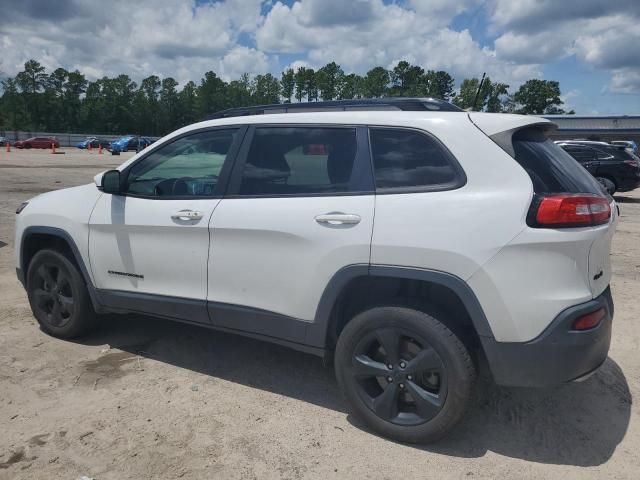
[111, 182]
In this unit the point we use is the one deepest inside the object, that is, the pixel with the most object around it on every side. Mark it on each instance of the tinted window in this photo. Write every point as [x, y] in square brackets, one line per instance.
[299, 160]
[552, 170]
[404, 158]
[189, 166]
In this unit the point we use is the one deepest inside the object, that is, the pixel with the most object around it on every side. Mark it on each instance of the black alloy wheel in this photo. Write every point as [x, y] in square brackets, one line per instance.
[404, 373]
[58, 295]
[399, 376]
[53, 294]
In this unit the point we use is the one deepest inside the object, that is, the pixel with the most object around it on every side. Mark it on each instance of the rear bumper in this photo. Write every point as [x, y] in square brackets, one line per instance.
[559, 354]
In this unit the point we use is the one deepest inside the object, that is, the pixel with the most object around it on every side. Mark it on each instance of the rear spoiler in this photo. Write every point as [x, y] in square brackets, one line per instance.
[501, 127]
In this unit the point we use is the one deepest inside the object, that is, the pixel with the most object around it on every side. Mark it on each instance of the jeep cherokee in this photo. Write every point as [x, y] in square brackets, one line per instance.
[405, 246]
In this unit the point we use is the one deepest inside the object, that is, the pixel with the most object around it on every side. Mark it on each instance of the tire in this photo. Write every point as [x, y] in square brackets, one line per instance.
[58, 295]
[428, 363]
[607, 184]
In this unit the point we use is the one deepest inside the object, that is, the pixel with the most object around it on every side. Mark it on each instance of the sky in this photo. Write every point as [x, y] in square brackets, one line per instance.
[592, 47]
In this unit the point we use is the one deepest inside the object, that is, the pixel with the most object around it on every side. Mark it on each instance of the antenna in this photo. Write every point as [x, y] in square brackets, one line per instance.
[475, 100]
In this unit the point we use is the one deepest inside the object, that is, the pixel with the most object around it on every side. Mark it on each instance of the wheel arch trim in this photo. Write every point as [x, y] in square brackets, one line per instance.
[68, 239]
[318, 330]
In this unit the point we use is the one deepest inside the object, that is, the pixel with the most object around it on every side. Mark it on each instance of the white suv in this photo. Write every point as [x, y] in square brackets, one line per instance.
[402, 245]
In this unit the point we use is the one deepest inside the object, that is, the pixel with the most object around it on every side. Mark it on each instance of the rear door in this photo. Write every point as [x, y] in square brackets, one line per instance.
[300, 207]
[586, 156]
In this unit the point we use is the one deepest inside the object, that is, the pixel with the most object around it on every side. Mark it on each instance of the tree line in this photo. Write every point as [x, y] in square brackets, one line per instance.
[65, 101]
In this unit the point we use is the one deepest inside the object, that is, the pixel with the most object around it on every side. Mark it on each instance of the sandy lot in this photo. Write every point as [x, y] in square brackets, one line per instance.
[146, 398]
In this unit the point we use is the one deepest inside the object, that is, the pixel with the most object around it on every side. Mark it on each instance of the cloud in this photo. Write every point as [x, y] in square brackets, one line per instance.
[165, 37]
[386, 33]
[625, 80]
[185, 38]
[602, 34]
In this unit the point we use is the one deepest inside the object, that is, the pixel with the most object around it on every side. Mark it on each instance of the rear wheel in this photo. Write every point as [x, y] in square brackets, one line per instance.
[404, 373]
[607, 184]
[58, 295]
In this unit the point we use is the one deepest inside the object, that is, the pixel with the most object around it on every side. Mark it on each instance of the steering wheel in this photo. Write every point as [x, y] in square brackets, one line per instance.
[172, 187]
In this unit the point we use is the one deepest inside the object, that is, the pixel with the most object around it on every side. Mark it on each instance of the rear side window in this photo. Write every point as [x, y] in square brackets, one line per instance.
[299, 161]
[406, 158]
[552, 170]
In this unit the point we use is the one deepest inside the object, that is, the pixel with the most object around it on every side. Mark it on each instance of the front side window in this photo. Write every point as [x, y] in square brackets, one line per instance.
[189, 166]
[406, 158]
[299, 161]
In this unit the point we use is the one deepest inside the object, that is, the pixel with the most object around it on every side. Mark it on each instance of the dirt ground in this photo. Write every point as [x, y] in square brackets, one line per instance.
[147, 398]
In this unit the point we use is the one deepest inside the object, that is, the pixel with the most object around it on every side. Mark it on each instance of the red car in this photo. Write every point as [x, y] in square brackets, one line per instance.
[37, 142]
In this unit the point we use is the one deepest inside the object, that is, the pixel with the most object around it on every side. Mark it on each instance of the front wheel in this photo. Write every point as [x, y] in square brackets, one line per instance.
[404, 373]
[58, 295]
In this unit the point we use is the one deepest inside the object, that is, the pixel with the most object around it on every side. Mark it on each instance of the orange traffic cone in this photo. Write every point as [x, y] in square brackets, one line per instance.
[8, 146]
[53, 147]
[100, 149]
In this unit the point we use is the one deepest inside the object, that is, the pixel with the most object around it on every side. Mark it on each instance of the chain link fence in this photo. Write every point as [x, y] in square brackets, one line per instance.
[65, 139]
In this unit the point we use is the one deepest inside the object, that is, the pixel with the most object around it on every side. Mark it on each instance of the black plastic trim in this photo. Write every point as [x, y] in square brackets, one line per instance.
[258, 321]
[64, 235]
[20, 275]
[164, 306]
[237, 319]
[400, 103]
[559, 354]
[317, 331]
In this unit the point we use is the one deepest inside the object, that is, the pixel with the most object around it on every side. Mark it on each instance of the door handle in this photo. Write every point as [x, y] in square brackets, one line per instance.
[185, 215]
[338, 218]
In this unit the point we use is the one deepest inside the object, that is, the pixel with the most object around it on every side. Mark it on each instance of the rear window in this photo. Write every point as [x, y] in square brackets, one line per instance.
[552, 170]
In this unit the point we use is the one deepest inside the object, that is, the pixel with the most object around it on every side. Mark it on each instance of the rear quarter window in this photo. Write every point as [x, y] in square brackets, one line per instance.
[551, 169]
[410, 159]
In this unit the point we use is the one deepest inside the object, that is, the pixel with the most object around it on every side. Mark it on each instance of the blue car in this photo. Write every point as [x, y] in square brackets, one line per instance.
[94, 142]
[129, 142]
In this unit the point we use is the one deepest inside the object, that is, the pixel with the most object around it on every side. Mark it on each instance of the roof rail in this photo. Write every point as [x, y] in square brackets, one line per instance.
[385, 103]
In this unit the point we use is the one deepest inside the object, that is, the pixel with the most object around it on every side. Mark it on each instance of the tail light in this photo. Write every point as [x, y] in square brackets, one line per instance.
[590, 320]
[633, 163]
[569, 210]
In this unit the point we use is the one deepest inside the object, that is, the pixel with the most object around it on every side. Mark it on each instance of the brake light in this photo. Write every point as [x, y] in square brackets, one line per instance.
[571, 210]
[590, 320]
[633, 163]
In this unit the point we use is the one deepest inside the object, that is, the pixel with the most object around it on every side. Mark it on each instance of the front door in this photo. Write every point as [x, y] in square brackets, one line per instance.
[149, 247]
[300, 208]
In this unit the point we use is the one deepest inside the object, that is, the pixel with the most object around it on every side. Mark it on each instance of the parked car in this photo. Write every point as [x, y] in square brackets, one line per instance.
[37, 142]
[616, 168]
[3, 141]
[95, 143]
[129, 142]
[630, 144]
[268, 231]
